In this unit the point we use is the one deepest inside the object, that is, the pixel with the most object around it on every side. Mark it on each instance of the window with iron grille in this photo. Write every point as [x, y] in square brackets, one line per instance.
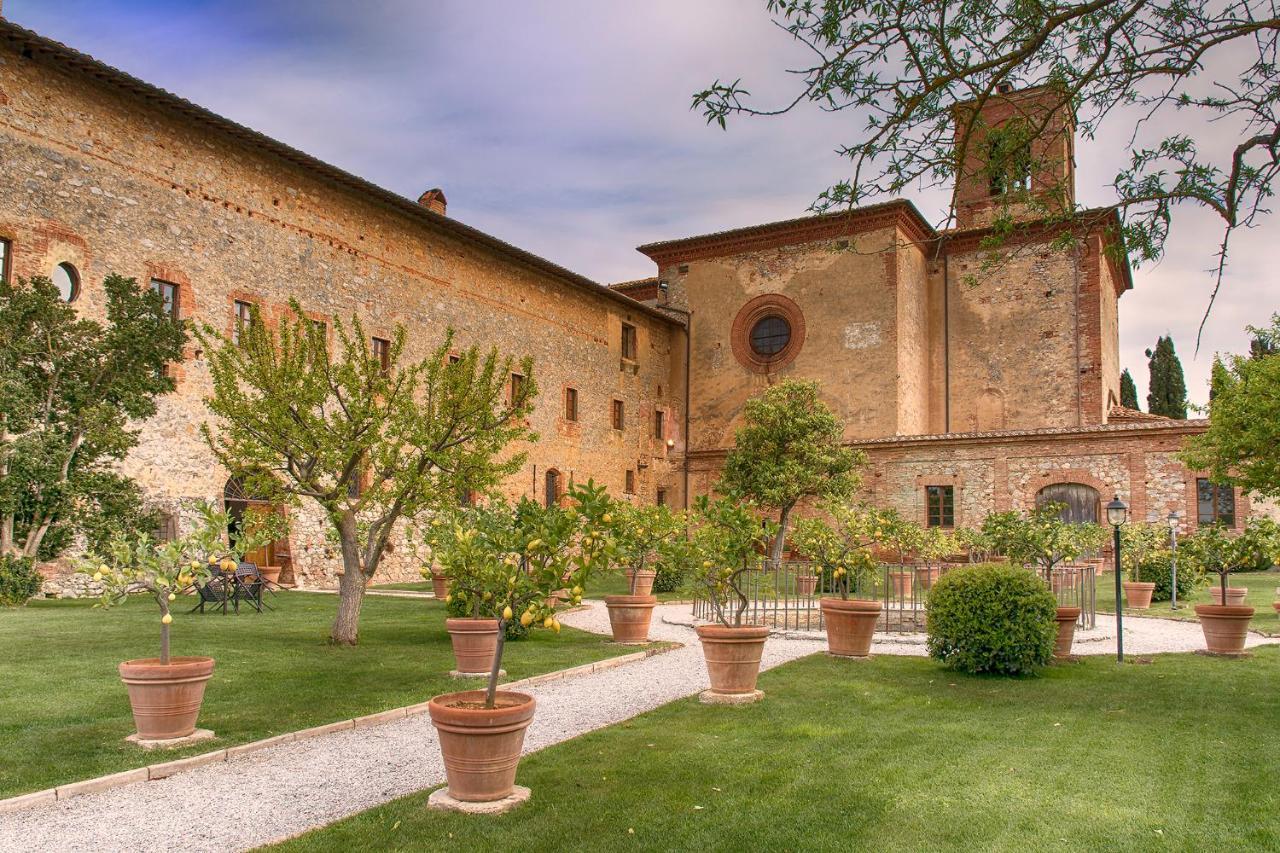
[1215, 504]
[660, 498]
[940, 506]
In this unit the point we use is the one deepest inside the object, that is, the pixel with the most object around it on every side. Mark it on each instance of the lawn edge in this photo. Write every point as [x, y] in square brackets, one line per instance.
[165, 769]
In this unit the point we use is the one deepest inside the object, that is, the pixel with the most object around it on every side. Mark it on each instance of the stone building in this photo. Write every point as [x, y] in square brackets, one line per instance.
[968, 398]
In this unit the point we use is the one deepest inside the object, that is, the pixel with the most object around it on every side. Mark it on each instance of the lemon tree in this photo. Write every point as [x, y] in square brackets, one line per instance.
[727, 540]
[840, 546]
[638, 532]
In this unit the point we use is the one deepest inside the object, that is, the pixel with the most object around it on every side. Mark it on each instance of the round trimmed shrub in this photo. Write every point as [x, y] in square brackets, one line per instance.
[992, 618]
[1156, 569]
[19, 580]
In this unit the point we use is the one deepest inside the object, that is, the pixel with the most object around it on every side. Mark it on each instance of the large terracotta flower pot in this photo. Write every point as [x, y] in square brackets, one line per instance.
[629, 617]
[439, 585]
[1137, 594]
[805, 585]
[926, 576]
[1235, 595]
[850, 625]
[733, 656]
[1066, 617]
[481, 746]
[474, 642]
[1224, 628]
[270, 574]
[643, 581]
[901, 583]
[166, 698]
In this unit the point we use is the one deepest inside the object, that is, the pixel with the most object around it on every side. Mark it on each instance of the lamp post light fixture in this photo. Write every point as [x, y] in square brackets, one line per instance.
[1173, 558]
[1117, 513]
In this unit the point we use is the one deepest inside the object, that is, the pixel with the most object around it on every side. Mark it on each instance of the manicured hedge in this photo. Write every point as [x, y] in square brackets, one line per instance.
[991, 618]
[19, 580]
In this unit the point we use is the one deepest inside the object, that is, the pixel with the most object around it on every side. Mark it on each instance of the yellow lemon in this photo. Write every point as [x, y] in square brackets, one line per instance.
[706, 564]
[172, 596]
[448, 598]
[487, 596]
[506, 612]
[555, 626]
[195, 565]
[577, 590]
[97, 576]
[526, 619]
[213, 561]
[606, 518]
[104, 568]
[586, 543]
[166, 619]
[548, 622]
[533, 543]
[228, 565]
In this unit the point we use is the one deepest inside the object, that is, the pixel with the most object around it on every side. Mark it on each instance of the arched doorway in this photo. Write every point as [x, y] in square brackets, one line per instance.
[1081, 503]
[552, 489]
[238, 499]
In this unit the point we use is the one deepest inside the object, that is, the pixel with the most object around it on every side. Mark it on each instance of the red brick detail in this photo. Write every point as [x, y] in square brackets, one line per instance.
[766, 305]
[1072, 475]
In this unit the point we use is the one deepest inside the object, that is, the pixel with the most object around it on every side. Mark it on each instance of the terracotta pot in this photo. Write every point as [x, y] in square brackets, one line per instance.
[1276, 606]
[166, 698]
[1235, 595]
[850, 625]
[1137, 594]
[733, 656]
[270, 574]
[481, 746]
[629, 617]
[1066, 617]
[901, 583]
[926, 576]
[1224, 627]
[474, 642]
[644, 581]
[805, 585]
[439, 585]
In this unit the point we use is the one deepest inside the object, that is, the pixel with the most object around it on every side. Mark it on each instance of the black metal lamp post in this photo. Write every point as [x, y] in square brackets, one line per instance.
[1117, 512]
[1173, 558]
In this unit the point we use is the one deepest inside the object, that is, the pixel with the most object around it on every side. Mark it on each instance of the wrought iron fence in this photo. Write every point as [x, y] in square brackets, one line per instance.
[785, 595]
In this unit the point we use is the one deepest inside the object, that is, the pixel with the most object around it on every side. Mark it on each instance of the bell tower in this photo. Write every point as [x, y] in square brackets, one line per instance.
[1019, 159]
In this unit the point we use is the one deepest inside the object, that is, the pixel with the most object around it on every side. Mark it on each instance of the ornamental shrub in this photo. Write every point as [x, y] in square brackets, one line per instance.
[1156, 569]
[991, 618]
[19, 580]
[458, 608]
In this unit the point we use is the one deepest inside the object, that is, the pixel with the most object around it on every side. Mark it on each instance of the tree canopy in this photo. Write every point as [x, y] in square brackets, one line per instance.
[1128, 391]
[1150, 70]
[1167, 387]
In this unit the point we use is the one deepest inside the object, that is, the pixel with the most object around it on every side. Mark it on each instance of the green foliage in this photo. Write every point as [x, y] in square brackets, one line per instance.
[726, 542]
[70, 390]
[840, 549]
[1156, 568]
[1242, 444]
[1040, 537]
[977, 544]
[1167, 388]
[991, 618]
[1215, 549]
[1128, 391]
[369, 445]
[790, 447]
[19, 580]
[637, 534]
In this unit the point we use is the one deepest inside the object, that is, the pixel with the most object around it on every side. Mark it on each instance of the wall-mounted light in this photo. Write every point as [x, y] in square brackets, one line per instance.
[663, 285]
[671, 442]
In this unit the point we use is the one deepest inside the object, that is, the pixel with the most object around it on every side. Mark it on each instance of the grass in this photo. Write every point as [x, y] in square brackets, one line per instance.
[1262, 591]
[900, 754]
[64, 712]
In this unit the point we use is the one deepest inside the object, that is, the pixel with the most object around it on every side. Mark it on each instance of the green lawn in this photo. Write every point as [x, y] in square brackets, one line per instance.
[899, 754]
[64, 712]
[1262, 591]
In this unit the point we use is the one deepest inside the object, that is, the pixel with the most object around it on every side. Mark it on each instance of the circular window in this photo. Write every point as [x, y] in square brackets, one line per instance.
[67, 280]
[770, 335]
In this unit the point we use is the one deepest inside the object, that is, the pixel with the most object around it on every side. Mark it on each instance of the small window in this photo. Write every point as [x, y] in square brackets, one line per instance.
[629, 341]
[517, 388]
[571, 404]
[67, 280]
[940, 506]
[619, 415]
[381, 352]
[770, 335]
[659, 424]
[660, 498]
[242, 321]
[168, 295]
[166, 527]
[1215, 504]
[454, 359]
[630, 484]
[5, 253]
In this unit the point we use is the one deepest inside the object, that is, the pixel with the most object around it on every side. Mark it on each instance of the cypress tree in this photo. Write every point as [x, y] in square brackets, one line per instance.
[1167, 391]
[1128, 391]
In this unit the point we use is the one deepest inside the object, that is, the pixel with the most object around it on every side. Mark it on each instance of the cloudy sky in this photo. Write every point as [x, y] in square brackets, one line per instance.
[564, 127]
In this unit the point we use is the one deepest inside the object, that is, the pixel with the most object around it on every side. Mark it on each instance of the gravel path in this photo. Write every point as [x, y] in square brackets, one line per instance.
[285, 790]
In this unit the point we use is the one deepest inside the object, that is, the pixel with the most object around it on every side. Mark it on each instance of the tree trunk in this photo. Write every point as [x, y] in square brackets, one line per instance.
[346, 625]
[779, 541]
[491, 691]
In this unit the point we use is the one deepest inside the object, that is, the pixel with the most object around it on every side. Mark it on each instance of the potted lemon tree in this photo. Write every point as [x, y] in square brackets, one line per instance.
[635, 534]
[1226, 626]
[728, 539]
[505, 562]
[841, 550]
[165, 692]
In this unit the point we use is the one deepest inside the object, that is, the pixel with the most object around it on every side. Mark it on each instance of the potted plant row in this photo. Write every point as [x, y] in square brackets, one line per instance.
[841, 550]
[505, 562]
[639, 537]
[1226, 626]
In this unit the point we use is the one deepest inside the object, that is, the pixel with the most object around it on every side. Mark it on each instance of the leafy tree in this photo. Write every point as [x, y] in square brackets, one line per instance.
[1041, 538]
[69, 388]
[1148, 72]
[1217, 551]
[1128, 392]
[726, 542]
[790, 447]
[1167, 388]
[367, 444]
[1242, 444]
[840, 548]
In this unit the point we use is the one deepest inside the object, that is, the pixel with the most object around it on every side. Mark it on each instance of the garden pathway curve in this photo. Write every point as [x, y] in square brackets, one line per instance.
[284, 790]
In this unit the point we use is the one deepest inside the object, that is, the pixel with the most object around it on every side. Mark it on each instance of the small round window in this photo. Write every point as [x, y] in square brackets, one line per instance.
[67, 280]
[770, 335]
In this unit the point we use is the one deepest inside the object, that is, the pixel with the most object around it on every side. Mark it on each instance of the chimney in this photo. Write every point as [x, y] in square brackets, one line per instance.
[433, 199]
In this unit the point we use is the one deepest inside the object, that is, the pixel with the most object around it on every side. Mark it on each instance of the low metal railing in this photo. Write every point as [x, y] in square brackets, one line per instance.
[785, 595]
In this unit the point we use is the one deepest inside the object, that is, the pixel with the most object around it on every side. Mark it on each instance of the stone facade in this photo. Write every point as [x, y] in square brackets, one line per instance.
[995, 379]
